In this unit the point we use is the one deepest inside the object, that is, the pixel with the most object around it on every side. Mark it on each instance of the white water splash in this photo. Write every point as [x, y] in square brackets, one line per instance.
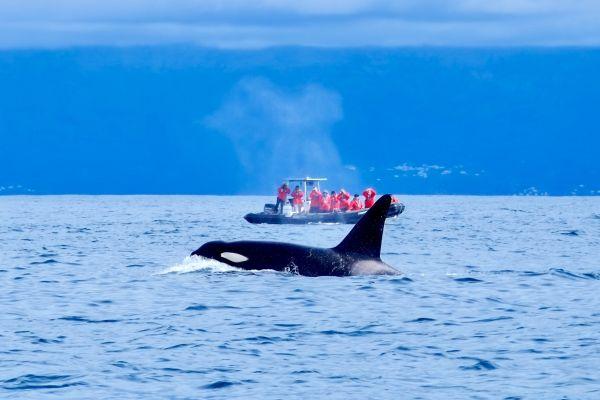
[196, 263]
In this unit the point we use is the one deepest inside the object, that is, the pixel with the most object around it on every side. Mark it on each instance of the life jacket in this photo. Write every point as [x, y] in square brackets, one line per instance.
[315, 198]
[355, 205]
[282, 193]
[334, 203]
[369, 194]
[325, 205]
[298, 195]
[344, 203]
[394, 199]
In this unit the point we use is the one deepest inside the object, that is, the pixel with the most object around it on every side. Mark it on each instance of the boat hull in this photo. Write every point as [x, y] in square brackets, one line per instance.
[350, 217]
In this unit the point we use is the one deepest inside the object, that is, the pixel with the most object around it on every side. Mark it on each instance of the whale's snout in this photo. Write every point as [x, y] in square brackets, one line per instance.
[209, 250]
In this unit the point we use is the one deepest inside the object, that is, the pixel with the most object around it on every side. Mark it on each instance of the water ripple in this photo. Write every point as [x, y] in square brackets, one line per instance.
[77, 318]
[36, 382]
[220, 385]
[111, 312]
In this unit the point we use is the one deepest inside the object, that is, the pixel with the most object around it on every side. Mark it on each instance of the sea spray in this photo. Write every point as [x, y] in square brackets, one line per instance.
[195, 264]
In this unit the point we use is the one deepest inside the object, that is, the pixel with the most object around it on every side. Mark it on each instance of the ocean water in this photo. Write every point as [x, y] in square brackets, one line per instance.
[500, 298]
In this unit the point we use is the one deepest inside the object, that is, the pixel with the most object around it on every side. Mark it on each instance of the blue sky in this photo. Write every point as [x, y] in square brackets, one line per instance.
[226, 97]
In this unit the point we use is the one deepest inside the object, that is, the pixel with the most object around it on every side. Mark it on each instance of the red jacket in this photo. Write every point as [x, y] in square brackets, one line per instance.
[369, 194]
[334, 203]
[298, 197]
[315, 198]
[282, 193]
[344, 199]
[355, 205]
[325, 203]
[344, 203]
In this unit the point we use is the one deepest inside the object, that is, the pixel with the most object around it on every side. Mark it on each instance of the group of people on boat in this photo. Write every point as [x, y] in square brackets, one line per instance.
[324, 202]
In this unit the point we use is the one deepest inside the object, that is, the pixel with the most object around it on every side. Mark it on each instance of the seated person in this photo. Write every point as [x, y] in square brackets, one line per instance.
[344, 199]
[325, 202]
[334, 203]
[355, 204]
[315, 200]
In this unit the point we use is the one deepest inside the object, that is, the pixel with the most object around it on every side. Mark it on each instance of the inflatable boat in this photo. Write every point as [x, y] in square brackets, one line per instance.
[270, 216]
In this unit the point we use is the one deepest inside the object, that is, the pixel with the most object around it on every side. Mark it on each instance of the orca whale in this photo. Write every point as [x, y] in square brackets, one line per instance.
[357, 254]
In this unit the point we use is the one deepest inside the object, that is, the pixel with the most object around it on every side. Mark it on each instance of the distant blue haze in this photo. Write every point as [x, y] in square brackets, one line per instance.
[408, 120]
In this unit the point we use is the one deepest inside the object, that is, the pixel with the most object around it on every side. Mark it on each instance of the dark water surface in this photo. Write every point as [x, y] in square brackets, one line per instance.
[500, 299]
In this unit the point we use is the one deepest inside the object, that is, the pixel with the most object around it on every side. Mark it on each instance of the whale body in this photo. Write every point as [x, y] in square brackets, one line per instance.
[357, 254]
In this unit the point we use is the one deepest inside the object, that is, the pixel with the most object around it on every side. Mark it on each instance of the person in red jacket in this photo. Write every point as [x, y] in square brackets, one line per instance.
[394, 199]
[325, 202]
[282, 194]
[298, 196]
[344, 199]
[369, 194]
[355, 204]
[315, 200]
[334, 203]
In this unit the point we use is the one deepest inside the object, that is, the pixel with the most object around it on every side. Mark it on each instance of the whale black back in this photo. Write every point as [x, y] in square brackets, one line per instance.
[365, 238]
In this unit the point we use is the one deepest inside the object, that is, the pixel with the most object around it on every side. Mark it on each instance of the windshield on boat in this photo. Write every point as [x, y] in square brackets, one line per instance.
[307, 184]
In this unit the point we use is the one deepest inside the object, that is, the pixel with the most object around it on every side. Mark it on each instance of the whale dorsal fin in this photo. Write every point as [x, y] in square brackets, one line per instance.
[365, 237]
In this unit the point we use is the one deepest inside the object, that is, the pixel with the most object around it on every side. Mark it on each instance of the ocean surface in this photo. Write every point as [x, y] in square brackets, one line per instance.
[500, 298]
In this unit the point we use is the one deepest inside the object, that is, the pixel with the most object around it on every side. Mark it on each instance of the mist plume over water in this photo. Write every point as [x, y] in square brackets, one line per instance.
[279, 133]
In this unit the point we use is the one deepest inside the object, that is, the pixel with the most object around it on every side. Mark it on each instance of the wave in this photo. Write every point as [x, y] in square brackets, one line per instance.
[558, 272]
[564, 273]
[467, 280]
[202, 264]
[220, 385]
[479, 365]
[78, 318]
[30, 381]
[198, 263]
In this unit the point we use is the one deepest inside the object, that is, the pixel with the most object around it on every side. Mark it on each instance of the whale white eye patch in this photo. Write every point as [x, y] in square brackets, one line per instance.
[234, 257]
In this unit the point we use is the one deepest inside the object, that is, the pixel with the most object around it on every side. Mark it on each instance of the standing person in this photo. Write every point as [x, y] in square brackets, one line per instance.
[344, 199]
[355, 204]
[325, 202]
[334, 203]
[315, 200]
[298, 196]
[282, 194]
[369, 194]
